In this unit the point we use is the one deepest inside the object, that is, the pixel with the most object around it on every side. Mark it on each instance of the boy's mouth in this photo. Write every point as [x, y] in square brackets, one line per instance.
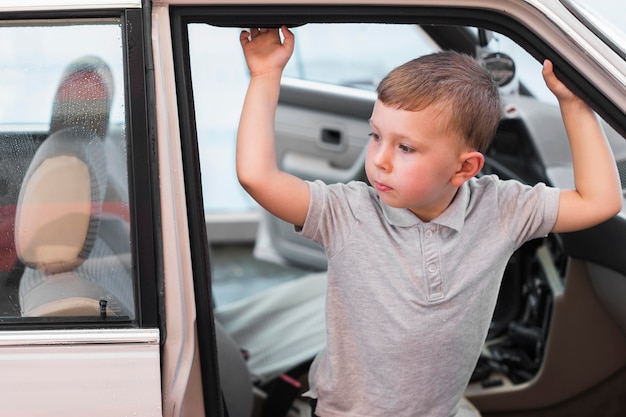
[381, 187]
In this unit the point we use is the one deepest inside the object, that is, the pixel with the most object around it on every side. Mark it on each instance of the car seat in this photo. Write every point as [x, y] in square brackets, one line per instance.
[281, 327]
[78, 262]
[70, 268]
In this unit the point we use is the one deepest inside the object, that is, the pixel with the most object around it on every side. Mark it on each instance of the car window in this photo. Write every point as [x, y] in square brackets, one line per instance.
[64, 201]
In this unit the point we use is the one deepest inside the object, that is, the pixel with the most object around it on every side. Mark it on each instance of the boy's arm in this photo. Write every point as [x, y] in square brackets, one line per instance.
[598, 194]
[282, 194]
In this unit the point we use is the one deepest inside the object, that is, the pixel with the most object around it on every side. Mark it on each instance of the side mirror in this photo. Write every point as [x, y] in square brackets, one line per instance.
[500, 66]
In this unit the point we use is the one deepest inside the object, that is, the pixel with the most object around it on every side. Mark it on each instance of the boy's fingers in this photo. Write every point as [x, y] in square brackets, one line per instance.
[554, 84]
[548, 74]
[287, 35]
[547, 65]
[547, 69]
[244, 36]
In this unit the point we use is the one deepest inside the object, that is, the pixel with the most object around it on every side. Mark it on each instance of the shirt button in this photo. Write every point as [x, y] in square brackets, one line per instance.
[429, 233]
[432, 268]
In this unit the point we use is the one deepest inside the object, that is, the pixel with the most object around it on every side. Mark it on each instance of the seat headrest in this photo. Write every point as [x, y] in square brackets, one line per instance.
[84, 96]
[60, 201]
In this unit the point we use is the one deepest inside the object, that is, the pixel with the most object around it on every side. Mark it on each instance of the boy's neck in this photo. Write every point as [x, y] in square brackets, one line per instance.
[429, 214]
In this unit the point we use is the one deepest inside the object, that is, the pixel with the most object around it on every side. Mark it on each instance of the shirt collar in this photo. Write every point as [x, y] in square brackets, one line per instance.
[453, 217]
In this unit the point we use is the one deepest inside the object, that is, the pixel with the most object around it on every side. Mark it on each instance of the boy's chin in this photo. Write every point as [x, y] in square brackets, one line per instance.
[391, 202]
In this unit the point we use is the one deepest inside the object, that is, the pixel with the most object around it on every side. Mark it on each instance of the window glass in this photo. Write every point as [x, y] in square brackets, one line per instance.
[64, 215]
[34, 59]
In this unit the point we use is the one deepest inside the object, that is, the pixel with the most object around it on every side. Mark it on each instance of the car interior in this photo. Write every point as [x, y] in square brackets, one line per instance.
[557, 336]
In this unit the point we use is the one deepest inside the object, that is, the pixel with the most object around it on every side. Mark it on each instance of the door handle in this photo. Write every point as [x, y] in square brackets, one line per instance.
[331, 137]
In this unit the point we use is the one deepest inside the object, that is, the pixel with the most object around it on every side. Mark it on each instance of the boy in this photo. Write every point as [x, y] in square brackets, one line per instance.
[415, 260]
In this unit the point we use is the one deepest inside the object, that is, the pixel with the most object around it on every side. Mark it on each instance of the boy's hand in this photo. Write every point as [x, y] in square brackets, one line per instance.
[562, 93]
[264, 51]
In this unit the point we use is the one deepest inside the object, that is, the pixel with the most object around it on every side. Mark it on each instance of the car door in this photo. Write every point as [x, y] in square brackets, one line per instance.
[78, 316]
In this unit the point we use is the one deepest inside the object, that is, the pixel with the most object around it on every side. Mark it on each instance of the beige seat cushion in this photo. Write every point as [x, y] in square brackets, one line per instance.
[54, 213]
[60, 201]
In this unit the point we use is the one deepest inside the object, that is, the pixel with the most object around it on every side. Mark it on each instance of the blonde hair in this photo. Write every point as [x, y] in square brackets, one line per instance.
[462, 93]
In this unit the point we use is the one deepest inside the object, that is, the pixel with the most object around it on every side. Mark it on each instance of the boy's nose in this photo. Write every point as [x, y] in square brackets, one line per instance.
[382, 159]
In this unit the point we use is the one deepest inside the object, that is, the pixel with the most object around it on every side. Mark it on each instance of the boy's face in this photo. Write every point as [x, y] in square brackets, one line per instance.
[411, 160]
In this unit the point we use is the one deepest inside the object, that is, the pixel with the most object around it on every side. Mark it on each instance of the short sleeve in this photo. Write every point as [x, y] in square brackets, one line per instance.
[527, 212]
[332, 213]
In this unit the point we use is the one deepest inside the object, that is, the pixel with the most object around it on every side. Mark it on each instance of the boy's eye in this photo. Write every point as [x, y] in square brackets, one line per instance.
[405, 148]
[374, 136]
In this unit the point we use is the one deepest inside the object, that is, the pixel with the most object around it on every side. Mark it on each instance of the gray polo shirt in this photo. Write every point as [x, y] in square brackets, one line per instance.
[409, 302]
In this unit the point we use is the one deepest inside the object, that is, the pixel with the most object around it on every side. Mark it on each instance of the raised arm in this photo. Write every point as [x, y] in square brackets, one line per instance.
[598, 195]
[282, 194]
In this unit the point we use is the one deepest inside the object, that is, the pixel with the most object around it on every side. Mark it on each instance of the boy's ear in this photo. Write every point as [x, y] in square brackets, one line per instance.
[471, 164]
